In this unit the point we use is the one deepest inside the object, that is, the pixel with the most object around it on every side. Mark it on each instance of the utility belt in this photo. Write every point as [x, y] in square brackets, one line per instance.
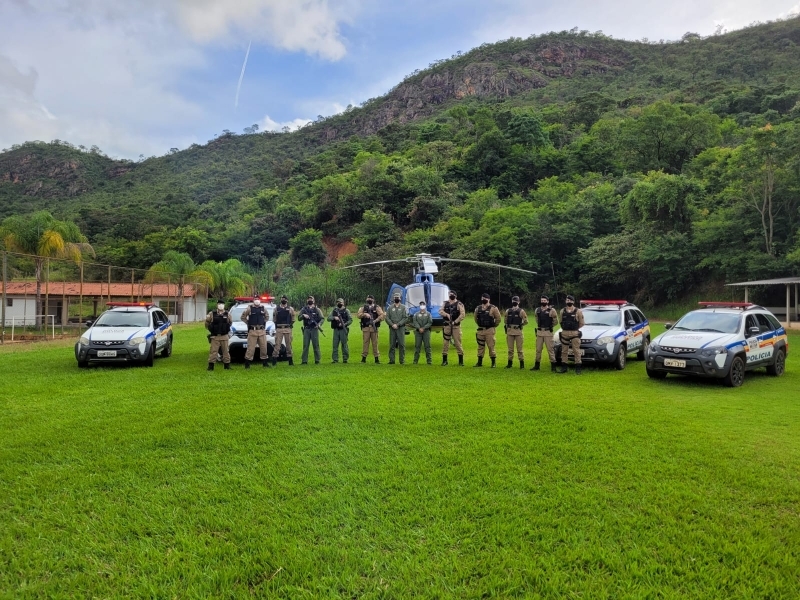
[368, 326]
[283, 326]
[514, 326]
[550, 329]
[256, 327]
[485, 328]
[455, 325]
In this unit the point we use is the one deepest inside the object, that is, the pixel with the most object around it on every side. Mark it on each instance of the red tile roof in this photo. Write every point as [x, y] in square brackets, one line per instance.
[118, 290]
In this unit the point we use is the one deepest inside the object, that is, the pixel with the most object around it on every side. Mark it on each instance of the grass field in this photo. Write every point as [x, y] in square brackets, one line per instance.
[381, 481]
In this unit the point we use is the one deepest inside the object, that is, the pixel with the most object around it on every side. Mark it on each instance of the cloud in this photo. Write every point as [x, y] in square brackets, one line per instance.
[268, 124]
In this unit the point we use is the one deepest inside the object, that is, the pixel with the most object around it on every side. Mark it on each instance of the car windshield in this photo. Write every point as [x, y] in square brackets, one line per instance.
[119, 318]
[713, 322]
[602, 318]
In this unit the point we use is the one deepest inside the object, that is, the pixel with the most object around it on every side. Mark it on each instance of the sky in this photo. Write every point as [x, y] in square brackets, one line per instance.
[139, 77]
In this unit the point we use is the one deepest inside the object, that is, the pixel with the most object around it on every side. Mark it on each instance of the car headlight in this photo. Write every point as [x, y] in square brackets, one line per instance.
[654, 348]
[84, 341]
[605, 340]
[136, 341]
[714, 351]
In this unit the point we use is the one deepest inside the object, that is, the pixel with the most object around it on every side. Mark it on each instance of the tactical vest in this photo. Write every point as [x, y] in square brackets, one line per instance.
[485, 318]
[544, 319]
[513, 317]
[373, 311]
[257, 317]
[569, 320]
[313, 315]
[219, 324]
[451, 308]
[283, 316]
[342, 314]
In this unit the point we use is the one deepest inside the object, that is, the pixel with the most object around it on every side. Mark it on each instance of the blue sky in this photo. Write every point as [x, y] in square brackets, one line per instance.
[141, 76]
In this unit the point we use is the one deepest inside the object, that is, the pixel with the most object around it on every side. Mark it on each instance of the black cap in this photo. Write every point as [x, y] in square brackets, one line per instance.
[220, 301]
[485, 295]
[452, 293]
[545, 296]
[515, 298]
[284, 297]
[571, 298]
[370, 297]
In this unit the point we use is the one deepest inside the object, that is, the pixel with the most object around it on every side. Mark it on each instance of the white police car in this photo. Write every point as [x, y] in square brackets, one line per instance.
[237, 342]
[612, 330]
[721, 340]
[126, 332]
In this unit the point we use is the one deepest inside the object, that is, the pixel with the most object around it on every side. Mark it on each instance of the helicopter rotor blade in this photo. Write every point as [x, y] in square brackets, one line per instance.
[378, 262]
[487, 264]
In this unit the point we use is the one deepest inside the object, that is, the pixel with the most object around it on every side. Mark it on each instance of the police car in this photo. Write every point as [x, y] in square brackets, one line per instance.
[612, 330]
[126, 332]
[237, 342]
[721, 340]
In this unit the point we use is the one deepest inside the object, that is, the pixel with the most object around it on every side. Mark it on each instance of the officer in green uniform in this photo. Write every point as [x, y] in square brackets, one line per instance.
[516, 319]
[340, 320]
[571, 324]
[311, 317]
[422, 323]
[487, 316]
[396, 318]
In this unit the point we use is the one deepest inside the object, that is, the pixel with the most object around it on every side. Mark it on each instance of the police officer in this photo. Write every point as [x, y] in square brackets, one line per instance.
[453, 312]
[571, 324]
[546, 319]
[422, 323]
[516, 319]
[255, 316]
[340, 320]
[218, 323]
[311, 317]
[371, 316]
[284, 321]
[396, 318]
[487, 316]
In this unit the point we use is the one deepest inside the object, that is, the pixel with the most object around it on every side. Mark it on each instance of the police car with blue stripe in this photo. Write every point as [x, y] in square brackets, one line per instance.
[721, 340]
[612, 330]
[127, 332]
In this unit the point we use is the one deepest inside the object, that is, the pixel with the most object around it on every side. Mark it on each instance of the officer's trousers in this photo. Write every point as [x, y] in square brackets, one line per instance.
[514, 338]
[219, 342]
[370, 335]
[452, 333]
[256, 337]
[340, 337]
[573, 339]
[283, 334]
[544, 338]
[486, 337]
[397, 337]
[419, 340]
[310, 336]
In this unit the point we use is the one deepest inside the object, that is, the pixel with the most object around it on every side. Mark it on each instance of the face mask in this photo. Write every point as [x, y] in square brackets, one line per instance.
[220, 307]
[310, 302]
[452, 298]
[283, 302]
[257, 302]
[422, 307]
[515, 304]
[485, 301]
[570, 304]
[543, 304]
[340, 305]
[397, 300]
[369, 301]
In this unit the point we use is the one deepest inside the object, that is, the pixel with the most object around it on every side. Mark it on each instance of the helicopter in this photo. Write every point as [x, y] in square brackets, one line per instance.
[425, 288]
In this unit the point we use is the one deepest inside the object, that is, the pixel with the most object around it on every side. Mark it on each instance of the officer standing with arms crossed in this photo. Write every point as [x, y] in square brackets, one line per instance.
[311, 317]
[516, 319]
[340, 319]
[255, 316]
[453, 312]
[546, 320]
[487, 316]
[396, 318]
[422, 323]
[284, 321]
[371, 316]
[218, 323]
[571, 323]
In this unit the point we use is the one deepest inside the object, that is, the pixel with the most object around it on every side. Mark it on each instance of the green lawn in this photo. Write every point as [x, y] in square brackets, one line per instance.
[383, 481]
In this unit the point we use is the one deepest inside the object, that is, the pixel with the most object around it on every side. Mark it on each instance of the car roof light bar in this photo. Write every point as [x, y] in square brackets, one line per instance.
[742, 305]
[136, 304]
[604, 302]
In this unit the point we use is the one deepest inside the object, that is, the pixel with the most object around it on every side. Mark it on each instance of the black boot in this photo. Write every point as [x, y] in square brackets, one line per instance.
[522, 364]
[460, 360]
[377, 360]
[480, 362]
[291, 361]
[363, 359]
[210, 366]
[226, 366]
[265, 363]
[536, 366]
[444, 360]
[553, 367]
[274, 361]
[247, 364]
[508, 366]
[577, 369]
[493, 361]
[562, 368]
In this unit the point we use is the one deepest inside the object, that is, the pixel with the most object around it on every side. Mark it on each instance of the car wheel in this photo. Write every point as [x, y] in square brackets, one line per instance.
[167, 351]
[151, 356]
[656, 374]
[779, 366]
[619, 361]
[642, 353]
[735, 376]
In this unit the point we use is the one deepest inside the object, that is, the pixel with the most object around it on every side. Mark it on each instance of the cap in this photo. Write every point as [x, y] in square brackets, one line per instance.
[571, 298]
[422, 303]
[220, 301]
[284, 297]
[310, 298]
[485, 295]
[545, 296]
[397, 295]
[515, 298]
[370, 297]
[340, 300]
[453, 293]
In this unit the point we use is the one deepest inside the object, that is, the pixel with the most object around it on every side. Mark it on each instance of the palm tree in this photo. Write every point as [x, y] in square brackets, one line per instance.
[44, 237]
[228, 278]
[177, 266]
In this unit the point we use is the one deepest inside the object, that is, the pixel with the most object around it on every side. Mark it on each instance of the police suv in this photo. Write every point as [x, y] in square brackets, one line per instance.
[237, 342]
[127, 332]
[612, 330]
[721, 340]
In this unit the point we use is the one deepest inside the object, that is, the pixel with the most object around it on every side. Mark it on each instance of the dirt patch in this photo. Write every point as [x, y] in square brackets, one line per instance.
[338, 249]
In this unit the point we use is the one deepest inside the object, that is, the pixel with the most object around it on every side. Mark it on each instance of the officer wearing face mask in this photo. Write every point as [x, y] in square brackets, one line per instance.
[218, 323]
[340, 320]
[453, 312]
[571, 324]
[546, 319]
[311, 317]
[370, 316]
[422, 323]
[284, 321]
[396, 318]
[516, 319]
[487, 316]
[255, 316]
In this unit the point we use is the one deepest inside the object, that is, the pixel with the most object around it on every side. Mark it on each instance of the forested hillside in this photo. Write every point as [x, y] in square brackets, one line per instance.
[627, 168]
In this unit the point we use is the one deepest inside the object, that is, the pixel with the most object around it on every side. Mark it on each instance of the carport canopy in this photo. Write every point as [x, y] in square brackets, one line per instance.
[787, 281]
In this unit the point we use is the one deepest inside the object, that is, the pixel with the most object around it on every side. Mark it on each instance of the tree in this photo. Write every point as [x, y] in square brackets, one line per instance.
[44, 237]
[227, 279]
[177, 267]
[307, 247]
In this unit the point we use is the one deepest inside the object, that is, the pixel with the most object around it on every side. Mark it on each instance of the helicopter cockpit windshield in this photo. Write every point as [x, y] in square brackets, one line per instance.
[439, 293]
[415, 293]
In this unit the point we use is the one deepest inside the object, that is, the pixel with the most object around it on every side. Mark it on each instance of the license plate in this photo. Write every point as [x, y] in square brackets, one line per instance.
[106, 353]
[244, 346]
[582, 352]
[671, 362]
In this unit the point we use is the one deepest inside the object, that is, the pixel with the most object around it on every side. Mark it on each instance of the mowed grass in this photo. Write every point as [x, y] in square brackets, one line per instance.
[381, 481]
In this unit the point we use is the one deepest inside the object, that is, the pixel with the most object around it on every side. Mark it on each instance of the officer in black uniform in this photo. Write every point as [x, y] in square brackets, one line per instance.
[255, 316]
[284, 321]
[453, 313]
[571, 324]
[546, 320]
[218, 323]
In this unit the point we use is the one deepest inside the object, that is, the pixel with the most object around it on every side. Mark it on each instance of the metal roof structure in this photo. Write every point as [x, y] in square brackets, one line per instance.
[788, 282]
[783, 281]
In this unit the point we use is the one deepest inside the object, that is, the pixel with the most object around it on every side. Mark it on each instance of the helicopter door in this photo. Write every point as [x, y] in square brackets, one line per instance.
[395, 289]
